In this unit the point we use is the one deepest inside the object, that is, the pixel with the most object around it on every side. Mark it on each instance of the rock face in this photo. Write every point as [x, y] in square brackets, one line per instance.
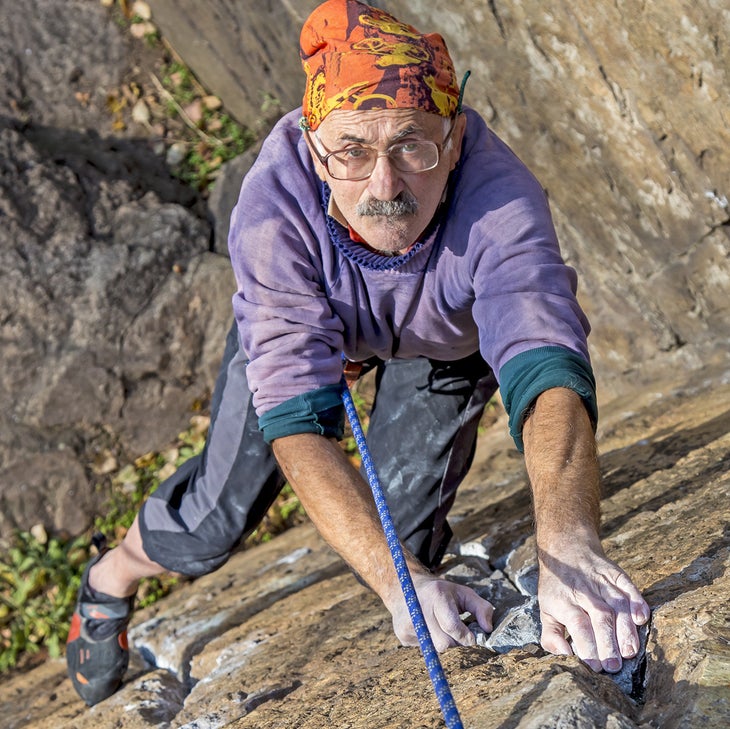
[112, 307]
[284, 636]
[114, 300]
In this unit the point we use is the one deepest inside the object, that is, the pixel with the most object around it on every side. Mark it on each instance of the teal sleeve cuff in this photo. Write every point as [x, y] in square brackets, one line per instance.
[530, 373]
[319, 411]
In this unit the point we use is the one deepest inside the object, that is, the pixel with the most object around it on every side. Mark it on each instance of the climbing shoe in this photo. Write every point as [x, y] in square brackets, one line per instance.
[97, 653]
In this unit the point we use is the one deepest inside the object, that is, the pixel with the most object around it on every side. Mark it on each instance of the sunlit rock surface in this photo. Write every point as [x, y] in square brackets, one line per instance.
[114, 299]
[285, 636]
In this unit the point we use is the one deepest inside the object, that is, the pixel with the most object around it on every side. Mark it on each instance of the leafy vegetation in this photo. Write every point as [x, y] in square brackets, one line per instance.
[214, 137]
[185, 123]
[40, 576]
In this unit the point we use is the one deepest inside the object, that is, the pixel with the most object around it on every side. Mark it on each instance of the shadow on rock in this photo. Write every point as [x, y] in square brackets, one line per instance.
[703, 570]
[624, 467]
[94, 158]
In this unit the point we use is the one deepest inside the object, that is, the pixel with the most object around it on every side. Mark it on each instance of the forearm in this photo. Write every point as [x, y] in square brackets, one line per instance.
[562, 463]
[341, 506]
[582, 594]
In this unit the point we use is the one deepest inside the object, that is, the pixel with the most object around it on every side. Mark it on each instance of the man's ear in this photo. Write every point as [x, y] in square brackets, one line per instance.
[457, 136]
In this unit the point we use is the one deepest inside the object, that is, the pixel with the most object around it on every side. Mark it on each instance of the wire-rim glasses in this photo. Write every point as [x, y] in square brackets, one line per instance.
[357, 162]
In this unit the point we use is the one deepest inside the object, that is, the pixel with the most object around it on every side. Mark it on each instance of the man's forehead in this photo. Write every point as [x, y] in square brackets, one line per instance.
[355, 123]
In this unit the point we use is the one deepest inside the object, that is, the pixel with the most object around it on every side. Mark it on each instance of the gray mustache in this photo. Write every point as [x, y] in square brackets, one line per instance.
[404, 204]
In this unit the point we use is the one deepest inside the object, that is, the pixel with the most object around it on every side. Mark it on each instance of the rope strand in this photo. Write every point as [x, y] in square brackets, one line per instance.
[430, 656]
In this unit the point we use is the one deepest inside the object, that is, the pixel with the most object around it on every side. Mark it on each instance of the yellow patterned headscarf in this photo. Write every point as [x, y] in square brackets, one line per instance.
[359, 57]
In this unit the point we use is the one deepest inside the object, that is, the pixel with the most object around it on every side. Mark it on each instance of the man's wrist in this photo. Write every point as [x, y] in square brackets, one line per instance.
[555, 542]
[392, 592]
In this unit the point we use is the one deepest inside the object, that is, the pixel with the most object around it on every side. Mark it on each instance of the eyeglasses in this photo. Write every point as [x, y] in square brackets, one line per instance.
[358, 162]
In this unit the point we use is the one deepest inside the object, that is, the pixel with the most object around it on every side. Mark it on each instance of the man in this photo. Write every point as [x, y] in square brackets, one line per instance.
[385, 222]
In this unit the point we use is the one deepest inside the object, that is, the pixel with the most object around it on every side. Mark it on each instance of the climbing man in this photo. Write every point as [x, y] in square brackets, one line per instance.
[385, 221]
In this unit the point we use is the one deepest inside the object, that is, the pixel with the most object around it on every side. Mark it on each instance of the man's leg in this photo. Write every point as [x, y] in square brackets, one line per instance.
[195, 518]
[189, 525]
[192, 523]
[422, 436]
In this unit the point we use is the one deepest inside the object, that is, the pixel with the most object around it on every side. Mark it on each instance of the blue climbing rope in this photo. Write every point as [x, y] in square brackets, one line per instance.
[430, 656]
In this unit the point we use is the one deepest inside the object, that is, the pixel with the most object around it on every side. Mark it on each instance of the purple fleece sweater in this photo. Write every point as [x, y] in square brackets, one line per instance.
[487, 275]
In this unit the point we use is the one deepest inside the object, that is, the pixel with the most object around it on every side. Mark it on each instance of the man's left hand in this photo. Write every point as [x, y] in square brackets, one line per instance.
[588, 598]
[582, 594]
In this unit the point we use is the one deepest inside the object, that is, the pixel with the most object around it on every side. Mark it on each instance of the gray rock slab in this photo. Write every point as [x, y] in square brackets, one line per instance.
[521, 567]
[137, 340]
[520, 627]
[52, 52]
[249, 584]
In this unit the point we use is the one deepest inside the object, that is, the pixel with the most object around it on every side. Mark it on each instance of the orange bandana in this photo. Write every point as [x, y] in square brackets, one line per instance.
[358, 57]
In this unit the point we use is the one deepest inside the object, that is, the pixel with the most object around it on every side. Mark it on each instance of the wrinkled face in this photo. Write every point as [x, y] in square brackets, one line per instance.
[391, 208]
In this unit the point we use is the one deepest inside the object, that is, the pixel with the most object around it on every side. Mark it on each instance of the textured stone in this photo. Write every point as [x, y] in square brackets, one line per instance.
[688, 672]
[616, 109]
[46, 487]
[521, 567]
[564, 703]
[54, 51]
[101, 251]
[198, 613]
[520, 627]
[127, 352]
[283, 635]
[113, 318]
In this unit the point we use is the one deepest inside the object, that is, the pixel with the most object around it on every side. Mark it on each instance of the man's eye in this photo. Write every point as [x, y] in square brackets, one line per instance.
[355, 153]
[407, 148]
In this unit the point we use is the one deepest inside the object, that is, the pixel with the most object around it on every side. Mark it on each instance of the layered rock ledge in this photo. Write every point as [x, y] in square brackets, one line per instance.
[284, 635]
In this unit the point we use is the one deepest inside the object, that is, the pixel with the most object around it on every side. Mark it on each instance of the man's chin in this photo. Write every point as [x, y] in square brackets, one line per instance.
[390, 235]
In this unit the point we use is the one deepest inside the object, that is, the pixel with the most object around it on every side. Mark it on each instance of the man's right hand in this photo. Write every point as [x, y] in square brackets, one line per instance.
[341, 506]
[443, 603]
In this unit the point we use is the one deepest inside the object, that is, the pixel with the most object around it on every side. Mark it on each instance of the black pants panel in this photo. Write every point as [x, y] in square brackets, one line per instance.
[421, 436]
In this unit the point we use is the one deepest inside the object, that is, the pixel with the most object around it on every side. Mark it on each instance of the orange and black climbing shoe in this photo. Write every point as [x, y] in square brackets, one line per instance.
[97, 653]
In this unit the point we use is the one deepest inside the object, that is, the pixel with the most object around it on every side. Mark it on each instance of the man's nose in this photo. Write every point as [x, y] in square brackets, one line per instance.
[385, 182]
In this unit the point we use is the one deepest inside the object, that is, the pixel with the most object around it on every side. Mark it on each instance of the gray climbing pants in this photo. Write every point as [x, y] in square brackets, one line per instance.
[421, 436]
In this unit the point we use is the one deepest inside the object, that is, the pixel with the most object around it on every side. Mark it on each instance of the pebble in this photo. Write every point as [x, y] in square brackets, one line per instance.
[176, 154]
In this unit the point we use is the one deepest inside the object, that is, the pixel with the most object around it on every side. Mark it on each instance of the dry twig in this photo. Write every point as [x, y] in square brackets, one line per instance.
[165, 94]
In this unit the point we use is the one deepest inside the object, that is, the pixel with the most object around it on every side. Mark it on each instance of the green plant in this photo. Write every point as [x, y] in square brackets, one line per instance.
[40, 576]
[362, 407]
[210, 136]
[38, 583]
[187, 122]
[286, 512]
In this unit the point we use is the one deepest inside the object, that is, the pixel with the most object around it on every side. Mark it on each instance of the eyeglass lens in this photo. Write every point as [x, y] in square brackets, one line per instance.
[359, 162]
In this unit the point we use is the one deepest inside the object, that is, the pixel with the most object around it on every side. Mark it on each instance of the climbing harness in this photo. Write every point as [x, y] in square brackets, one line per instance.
[430, 656]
